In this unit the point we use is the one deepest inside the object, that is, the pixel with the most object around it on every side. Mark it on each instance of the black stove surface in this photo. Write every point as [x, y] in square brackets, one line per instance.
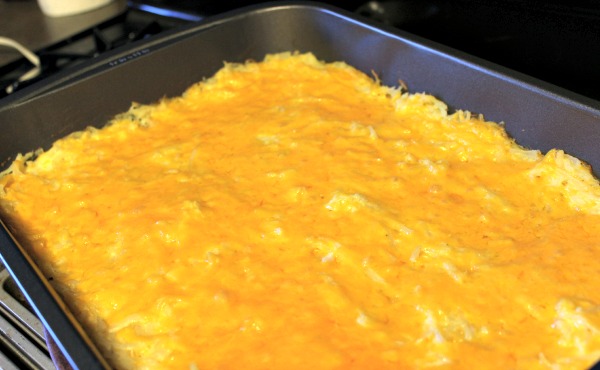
[557, 41]
[128, 26]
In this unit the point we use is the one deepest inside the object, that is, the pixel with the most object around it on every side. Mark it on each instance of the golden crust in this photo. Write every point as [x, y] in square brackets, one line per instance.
[296, 214]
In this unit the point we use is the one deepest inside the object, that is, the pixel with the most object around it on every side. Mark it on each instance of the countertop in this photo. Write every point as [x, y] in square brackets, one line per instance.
[24, 22]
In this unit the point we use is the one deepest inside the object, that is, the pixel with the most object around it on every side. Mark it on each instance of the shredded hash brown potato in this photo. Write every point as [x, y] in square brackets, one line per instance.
[294, 214]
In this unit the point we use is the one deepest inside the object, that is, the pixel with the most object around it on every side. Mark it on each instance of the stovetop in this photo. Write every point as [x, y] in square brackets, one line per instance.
[22, 341]
[555, 41]
[121, 26]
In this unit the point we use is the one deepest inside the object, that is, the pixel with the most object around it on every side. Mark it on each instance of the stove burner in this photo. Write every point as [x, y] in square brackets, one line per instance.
[131, 25]
[22, 343]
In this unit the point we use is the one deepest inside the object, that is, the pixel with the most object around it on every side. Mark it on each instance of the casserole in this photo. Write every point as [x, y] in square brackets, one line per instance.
[533, 112]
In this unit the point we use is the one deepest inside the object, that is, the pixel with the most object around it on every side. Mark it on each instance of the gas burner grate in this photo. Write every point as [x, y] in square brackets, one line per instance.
[22, 343]
[127, 27]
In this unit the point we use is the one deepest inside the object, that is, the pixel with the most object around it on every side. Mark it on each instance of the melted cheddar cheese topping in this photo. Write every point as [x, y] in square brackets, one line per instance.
[293, 214]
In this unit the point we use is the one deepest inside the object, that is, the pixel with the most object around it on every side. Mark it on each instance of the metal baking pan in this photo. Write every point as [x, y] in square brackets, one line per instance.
[536, 114]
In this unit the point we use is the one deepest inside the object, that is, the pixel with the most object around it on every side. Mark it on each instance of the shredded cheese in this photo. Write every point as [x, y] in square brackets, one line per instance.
[296, 214]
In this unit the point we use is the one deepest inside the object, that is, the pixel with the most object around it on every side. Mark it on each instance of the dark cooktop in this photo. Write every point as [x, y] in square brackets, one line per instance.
[557, 41]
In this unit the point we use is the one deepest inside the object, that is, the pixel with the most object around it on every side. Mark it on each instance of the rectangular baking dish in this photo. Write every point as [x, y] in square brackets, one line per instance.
[536, 114]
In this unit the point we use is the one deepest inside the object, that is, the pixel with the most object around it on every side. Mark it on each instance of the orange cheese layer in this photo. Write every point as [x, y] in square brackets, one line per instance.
[291, 214]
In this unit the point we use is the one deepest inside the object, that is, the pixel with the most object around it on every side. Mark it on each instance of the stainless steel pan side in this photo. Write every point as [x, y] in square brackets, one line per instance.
[536, 114]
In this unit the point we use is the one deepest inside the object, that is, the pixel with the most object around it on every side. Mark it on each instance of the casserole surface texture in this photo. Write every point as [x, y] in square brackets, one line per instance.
[296, 214]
